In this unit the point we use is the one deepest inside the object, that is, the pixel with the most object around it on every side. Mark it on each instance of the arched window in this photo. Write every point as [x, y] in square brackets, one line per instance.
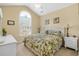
[25, 23]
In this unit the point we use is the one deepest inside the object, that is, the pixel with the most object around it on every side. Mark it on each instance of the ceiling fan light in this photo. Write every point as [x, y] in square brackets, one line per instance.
[37, 5]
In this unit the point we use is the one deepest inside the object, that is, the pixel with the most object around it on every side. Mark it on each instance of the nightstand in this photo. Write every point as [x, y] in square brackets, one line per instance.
[72, 42]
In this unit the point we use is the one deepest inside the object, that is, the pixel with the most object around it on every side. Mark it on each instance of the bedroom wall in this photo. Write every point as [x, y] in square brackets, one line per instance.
[68, 15]
[12, 13]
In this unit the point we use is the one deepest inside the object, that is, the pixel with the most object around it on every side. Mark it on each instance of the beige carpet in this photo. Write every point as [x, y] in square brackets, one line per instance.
[23, 51]
[66, 52]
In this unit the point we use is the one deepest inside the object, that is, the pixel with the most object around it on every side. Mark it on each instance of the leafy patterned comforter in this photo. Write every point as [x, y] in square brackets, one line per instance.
[45, 45]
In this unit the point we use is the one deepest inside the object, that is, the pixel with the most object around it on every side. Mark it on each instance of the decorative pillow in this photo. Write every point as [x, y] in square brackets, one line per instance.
[51, 32]
[46, 32]
[57, 33]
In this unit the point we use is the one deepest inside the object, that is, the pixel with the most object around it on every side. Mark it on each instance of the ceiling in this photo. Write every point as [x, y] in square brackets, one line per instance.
[42, 8]
[47, 7]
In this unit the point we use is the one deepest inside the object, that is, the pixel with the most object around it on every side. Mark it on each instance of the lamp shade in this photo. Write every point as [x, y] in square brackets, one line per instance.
[1, 14]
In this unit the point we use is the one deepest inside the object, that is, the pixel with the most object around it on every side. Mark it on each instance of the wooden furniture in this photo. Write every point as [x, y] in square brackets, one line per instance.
[7, 46]
[72, 42]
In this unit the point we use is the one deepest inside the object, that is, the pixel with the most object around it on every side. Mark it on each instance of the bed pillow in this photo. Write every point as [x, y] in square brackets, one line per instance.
[51, 32]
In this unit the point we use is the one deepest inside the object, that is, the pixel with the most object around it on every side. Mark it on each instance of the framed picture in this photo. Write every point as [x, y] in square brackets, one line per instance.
[11, 22]
[56, 20]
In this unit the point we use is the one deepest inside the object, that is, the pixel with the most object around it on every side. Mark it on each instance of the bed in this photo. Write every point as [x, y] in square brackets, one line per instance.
[44, 44]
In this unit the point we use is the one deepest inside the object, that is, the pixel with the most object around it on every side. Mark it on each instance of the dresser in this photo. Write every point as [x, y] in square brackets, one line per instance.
[7, 45]
[72, 42]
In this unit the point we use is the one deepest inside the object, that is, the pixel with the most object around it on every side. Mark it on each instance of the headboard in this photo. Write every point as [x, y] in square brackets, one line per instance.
[55, 29]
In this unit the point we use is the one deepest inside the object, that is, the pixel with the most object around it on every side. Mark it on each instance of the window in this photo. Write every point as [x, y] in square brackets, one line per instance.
[25, 23]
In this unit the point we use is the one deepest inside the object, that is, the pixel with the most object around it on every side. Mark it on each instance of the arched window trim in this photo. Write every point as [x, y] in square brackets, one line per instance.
[24, 28]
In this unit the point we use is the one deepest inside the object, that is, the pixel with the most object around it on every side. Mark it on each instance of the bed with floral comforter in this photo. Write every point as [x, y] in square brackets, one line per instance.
[43, 45]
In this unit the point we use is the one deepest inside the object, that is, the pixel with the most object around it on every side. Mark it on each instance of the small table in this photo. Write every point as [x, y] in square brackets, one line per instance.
[8, 47]
[72, 42]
